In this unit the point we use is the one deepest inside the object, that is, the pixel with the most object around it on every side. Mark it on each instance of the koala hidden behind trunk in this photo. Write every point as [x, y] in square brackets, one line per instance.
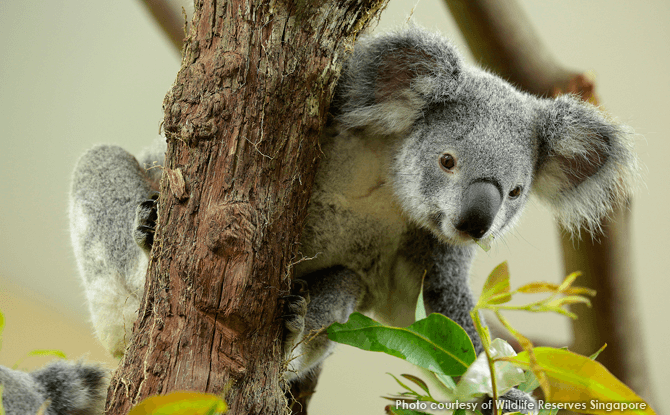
[423, 156]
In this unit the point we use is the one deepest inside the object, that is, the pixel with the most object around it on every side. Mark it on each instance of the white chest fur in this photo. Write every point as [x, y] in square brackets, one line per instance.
[354, 220]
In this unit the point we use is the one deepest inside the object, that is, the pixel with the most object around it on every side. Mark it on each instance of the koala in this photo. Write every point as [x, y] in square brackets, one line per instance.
[108, 188]
[61, 387]
[423, 156]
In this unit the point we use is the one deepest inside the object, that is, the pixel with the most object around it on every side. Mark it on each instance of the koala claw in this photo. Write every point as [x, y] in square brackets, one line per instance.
[145, 223]
[295, 311]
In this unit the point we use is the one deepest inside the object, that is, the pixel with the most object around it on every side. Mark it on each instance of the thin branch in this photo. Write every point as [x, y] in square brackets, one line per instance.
[502, 39]
[169, 16]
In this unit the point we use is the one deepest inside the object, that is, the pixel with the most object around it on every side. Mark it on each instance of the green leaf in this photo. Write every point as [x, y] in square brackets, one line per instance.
[459, 411]
[418, 381]
[595, 355]
[496, 288]
[447, 381]
[2, 408]
[181, 403]
[47, 352]
[420, 312]
[547, 287]
[434, 343]
[530, 384]
[214, 410]
[485, 243]
[400, 383]
[576, 378]
[41, 352]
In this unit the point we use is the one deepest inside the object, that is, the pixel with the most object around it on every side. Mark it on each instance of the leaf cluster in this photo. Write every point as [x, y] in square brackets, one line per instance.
[440, 346]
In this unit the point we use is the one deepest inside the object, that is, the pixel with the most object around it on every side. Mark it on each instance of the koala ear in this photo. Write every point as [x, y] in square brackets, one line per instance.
[390, 79]
[586, 164]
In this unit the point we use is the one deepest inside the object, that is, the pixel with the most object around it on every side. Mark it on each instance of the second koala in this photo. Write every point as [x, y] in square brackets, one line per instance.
[423, 156]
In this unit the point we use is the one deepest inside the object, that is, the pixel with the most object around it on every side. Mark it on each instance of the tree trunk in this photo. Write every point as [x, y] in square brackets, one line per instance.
[242, 122]
[502, 38]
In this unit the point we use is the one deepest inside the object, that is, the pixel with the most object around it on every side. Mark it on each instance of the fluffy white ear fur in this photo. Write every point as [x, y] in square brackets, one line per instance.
[586, 163]
[391, 78]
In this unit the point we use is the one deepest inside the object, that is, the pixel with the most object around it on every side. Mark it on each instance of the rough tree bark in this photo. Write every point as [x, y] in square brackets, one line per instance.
[242, 122]
[502, 38]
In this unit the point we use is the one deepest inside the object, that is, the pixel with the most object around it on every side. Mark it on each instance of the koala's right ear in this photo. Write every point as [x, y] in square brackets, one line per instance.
[390, 79]
[586, 163]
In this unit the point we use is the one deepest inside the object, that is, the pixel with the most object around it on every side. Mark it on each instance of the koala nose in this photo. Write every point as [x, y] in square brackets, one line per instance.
[480, 203]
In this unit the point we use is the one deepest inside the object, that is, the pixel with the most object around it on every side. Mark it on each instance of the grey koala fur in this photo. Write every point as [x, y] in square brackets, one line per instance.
[422, 155]
[71, 389]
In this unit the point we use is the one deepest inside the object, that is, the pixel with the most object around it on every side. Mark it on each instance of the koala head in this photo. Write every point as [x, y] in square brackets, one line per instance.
[469, 149]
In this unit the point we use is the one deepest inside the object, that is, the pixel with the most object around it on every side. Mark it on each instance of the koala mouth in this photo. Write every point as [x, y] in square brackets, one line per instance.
[444, 228]
[455, 236]
[462, 238]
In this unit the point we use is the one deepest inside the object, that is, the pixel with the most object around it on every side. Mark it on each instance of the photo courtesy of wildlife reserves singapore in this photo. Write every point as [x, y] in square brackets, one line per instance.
[211, 199]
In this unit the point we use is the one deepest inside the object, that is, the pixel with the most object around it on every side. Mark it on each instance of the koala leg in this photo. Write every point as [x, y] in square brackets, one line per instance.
[330, 295]
[108, 184]
[301, 391]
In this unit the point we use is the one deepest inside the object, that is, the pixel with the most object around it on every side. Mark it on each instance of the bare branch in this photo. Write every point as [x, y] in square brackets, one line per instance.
[169, 16]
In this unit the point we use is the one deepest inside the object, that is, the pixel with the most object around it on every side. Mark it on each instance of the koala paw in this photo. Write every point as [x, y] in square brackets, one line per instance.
[145, 223]
[295, 310]
[516, 401]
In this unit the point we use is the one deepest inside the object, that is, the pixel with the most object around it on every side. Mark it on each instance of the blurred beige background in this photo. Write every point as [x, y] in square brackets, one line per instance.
[76, 73]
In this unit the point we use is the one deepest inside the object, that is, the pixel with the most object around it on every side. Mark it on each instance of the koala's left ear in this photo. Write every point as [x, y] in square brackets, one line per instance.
[586, 164]
[391, 78]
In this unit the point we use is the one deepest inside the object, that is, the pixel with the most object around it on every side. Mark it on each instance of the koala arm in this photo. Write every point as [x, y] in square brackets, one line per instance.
[108, 185]
[333, 294]
[446, 285]
[446, 291]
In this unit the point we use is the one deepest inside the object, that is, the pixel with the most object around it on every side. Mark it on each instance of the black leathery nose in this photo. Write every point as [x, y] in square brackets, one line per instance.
[480, 204]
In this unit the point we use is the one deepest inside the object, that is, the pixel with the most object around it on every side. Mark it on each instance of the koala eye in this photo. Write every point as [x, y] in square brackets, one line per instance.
[516, 192]
[447, 162]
